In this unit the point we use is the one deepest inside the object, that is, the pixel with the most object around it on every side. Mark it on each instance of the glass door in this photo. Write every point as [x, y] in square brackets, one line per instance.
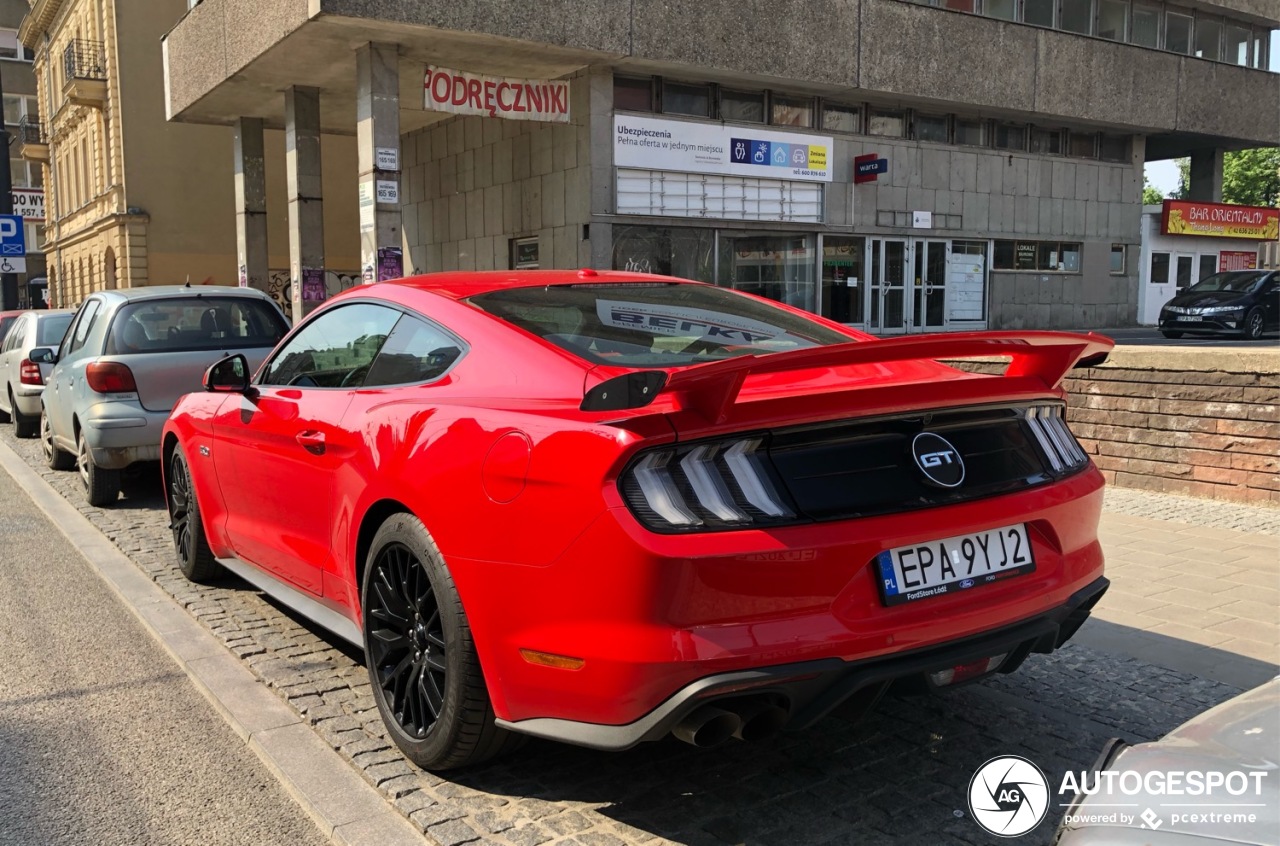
[1184, 271]
[844, 282]
[929, 291]
[887, 293]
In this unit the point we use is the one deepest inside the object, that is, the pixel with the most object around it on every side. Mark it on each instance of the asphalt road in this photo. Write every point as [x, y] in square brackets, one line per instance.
[103, 740]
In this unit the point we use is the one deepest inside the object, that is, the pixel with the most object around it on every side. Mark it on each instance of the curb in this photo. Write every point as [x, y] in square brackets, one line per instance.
[346, 808]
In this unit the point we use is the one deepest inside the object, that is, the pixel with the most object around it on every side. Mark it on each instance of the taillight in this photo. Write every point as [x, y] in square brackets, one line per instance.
[29, 373]
[1055, 439]
[110, 377]
[717, 485]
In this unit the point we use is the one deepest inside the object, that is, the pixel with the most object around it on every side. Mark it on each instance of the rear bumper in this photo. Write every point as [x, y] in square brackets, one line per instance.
[122, 433]
[27, 399]
[812, 689]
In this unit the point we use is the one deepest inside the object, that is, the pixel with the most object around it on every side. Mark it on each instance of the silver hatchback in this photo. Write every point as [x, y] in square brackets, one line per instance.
[126, 358]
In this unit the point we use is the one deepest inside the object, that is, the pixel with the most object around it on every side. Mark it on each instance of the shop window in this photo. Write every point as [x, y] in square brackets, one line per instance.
[1082, 145]
[842, 118]
[972, 133]
[1146, 26]
[1115, 148]
[744, 106]
[1113, 19]
[1159, 268]
[671, 251]
[1037, 256]
[844, 282]
[1117, 259]
[1208, 265]
[777, 267]
[633, 95]
[1177, 33]
[681, 99]
[1077, 16]
[1038, 12]
[1047, 141]
[1236, 48]
[888, 123]
[1208, 39]
[1004, 9]
[931, 128]
[1011, 136]
[791, 111]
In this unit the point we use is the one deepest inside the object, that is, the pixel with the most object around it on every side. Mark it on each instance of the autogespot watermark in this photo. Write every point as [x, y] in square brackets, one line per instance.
[1009, 796]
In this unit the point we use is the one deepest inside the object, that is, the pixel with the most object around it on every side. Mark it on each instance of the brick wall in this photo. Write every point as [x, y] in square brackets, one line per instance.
[1183, 421]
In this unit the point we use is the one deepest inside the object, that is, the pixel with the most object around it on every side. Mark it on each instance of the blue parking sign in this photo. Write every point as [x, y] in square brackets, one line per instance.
[13, 240]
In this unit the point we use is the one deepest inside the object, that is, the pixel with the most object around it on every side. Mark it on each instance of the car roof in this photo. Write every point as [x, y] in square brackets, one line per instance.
[150, 292]
[459, 285]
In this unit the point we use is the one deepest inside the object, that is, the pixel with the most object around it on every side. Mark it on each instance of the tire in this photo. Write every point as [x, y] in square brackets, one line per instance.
[1172, 336]
[23, 426]
[101, 487]
[195, 559]
[53, 456]
[420, 654]
[1251, 328]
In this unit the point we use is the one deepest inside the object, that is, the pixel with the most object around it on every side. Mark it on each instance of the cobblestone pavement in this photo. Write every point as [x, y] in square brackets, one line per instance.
[1201, 512]
[900, 776]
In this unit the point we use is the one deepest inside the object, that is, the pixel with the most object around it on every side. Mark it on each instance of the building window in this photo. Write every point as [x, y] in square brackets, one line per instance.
[1037, 256]
[842, 118]
[1146, 26]
[1047, 141]
[1011, 136]
[1117, 259]
[633, 95]
[16, 107]
[1113, 19]
[1077, 16]
[959, 5]
[1177, 33]
[743, 106]
[1115, 148]
[681, 99]
[1038, 12]
[1006, 10]
[931, 128]
[791, 111]
[972, 133]
[891, 124]
[1208, 39]
[1159, 268]
[1083, 145]
[11, 47]
[1236, 48]
[1260, 53]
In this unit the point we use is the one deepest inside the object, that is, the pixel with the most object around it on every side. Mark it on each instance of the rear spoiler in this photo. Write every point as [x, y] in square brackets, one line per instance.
[711, 389]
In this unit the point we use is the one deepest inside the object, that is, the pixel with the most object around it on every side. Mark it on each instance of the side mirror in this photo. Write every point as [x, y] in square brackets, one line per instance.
[42, 355]
[230, 375]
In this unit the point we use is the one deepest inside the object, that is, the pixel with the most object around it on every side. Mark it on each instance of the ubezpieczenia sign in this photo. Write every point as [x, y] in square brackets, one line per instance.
[689, 147]
[464, 93]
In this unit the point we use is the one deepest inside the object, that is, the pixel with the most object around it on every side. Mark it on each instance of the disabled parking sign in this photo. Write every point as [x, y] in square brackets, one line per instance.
[13, 244]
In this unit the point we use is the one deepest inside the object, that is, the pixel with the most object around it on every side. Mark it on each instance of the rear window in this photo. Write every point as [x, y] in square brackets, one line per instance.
[194, 323]
[654, 324]
[49, 330]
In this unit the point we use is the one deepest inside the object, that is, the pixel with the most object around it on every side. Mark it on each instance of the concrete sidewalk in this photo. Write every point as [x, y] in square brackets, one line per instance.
[1195, 586]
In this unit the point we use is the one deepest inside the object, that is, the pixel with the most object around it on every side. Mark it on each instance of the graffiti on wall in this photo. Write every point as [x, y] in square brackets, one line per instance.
[280, 287]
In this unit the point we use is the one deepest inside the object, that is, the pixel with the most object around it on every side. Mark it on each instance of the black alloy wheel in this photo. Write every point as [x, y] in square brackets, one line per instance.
[407, 645]
[422, 661]
[1251, 328]
[195, 559]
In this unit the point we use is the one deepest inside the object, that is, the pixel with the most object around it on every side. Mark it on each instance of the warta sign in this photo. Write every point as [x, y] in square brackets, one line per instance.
[464, 93]
[1220, 220]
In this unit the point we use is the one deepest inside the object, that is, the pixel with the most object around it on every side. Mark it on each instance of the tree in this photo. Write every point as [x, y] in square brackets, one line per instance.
[1249, 177]
[1252, 177]
[1151, 195]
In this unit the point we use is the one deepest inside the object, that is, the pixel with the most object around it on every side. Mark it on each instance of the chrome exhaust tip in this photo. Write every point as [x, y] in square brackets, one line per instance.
[707, 726]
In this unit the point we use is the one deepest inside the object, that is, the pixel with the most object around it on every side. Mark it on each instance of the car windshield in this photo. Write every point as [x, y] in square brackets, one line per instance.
[654, 324]
[194, 323]
[1240, 282]
[50, 329]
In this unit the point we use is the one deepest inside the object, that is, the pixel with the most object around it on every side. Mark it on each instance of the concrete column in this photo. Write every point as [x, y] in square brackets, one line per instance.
[251, 204]
[1206, 176]
[378, 152]
[306, 211]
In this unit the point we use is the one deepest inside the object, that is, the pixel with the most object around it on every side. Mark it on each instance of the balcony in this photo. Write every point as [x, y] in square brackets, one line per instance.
[32, 143]
[84, 67]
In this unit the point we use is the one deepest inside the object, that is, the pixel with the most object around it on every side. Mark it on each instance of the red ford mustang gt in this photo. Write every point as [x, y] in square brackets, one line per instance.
[606, 507]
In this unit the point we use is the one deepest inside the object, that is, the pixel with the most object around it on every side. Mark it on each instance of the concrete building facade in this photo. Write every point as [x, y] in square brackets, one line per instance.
[952, 164]
[21, 113]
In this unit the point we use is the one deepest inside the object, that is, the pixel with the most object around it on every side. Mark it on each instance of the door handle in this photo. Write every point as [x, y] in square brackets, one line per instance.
[312, 441]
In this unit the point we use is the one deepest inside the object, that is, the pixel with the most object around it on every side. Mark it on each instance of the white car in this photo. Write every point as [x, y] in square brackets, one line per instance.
[21, 379]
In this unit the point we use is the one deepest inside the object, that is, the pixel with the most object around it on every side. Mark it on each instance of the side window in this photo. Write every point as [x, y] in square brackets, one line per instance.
[416, 351]
[335, 350]
[84, 324]
[16, 331]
